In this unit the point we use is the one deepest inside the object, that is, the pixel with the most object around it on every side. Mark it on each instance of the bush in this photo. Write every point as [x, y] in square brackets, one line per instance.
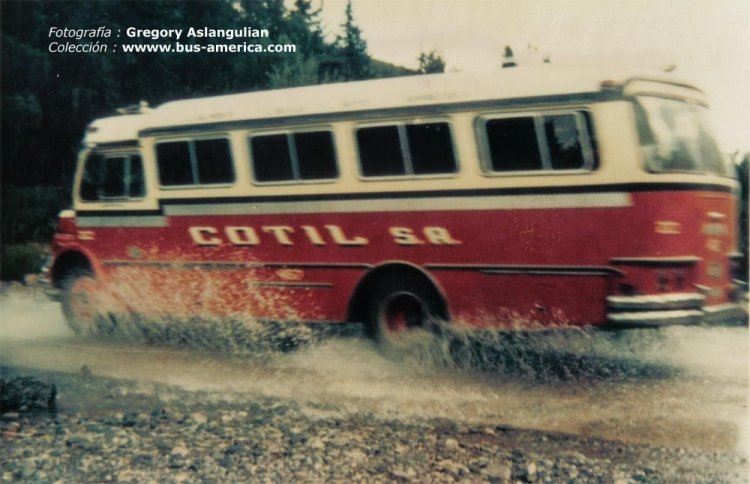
[742, 173]
[29, 213]
[18, 260]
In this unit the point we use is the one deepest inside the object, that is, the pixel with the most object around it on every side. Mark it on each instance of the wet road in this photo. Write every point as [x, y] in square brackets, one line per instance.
[693, 393]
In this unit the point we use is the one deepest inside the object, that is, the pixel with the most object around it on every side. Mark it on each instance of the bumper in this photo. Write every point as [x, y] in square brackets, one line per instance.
[670, 309]
[45, 282]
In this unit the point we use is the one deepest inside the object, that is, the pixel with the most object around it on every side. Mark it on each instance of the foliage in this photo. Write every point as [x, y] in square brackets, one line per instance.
[297, 71]
[18, 260]
[742, 173]
[431, 62]
[382, 69]
[355, 62]
[49, 98]
[30, 213]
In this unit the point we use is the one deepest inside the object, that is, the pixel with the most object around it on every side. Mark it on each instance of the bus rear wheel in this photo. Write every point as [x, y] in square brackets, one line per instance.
[402, 311]
[79, 301]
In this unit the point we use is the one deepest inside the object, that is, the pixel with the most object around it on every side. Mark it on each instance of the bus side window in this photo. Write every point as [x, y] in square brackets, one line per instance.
[214, 161]
[316, 155]
[306, 155]
[431, 148]
[564, 142]
[406, 149]
[194, 162]
[110, 178]
[540, 142]
[513, 144]
[271, 158]
[380, 151]
[175, 167]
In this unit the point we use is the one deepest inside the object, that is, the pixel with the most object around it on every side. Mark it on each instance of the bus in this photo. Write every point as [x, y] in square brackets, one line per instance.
[526, 197]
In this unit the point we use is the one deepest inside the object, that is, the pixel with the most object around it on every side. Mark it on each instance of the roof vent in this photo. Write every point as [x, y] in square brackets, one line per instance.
[508, 59]
[140, 108]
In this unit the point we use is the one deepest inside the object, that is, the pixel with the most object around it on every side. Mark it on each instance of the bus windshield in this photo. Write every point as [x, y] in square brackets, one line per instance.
[675, 136]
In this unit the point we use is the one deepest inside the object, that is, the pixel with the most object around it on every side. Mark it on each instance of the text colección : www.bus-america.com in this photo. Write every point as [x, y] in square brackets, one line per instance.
[97, 40]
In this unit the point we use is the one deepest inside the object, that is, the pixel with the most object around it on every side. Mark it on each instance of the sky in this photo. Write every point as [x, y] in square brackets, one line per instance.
[707, 40]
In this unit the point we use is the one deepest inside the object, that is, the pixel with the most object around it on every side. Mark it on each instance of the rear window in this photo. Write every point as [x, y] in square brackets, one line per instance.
[538, 142]
[406, 150]
[195, 162]
[676, 136]
[115, 177]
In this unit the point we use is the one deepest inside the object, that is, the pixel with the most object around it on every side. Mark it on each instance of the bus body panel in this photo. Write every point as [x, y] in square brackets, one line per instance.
[614, 243]
[509, 266]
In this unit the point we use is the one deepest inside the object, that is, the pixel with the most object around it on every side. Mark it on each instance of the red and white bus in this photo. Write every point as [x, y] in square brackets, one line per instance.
[518, 198]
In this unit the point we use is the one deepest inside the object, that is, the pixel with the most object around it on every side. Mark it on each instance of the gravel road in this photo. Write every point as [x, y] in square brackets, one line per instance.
[107, 430]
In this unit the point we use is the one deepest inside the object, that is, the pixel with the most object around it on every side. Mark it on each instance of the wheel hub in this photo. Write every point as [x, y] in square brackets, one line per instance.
[403, 311]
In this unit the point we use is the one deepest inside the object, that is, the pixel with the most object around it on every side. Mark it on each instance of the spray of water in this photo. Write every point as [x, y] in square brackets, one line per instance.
[674, 386]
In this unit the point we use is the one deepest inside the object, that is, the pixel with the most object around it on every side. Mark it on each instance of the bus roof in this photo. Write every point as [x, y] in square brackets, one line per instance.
[115, 129]
[399, 92]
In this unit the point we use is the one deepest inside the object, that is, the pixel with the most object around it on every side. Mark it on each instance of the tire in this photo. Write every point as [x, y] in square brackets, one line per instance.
[402, 311]
[79, 303]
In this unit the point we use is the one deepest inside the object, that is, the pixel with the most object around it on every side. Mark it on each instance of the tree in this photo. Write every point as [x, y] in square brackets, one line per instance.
[297, 71]
[356, 62]
[431, 62]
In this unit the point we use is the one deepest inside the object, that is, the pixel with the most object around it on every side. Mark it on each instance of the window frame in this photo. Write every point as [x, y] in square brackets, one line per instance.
[127, 178]
[194, 161]
[293, 155]
[582, 117]
[405, 149]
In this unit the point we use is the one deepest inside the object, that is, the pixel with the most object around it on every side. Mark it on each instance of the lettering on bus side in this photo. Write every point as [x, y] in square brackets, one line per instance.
[246, 236]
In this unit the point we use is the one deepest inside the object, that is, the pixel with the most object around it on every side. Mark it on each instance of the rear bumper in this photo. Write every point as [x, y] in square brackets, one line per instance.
[46, 281]
[670, 309]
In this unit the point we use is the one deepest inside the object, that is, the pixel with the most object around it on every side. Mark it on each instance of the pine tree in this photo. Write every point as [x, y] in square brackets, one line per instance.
[356, 62]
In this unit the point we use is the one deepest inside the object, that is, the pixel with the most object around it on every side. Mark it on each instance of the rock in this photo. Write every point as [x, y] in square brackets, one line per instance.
[531, 472]
[451, 445]
[297, 438]
[403, 475]
[477, 465]
[129, 420]
[199, 418]
[31, 279]
[316, 443]
[453, 468]
[356, 456]
[498, 471]
[84, 442]
[572, 456]
[180, 450]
